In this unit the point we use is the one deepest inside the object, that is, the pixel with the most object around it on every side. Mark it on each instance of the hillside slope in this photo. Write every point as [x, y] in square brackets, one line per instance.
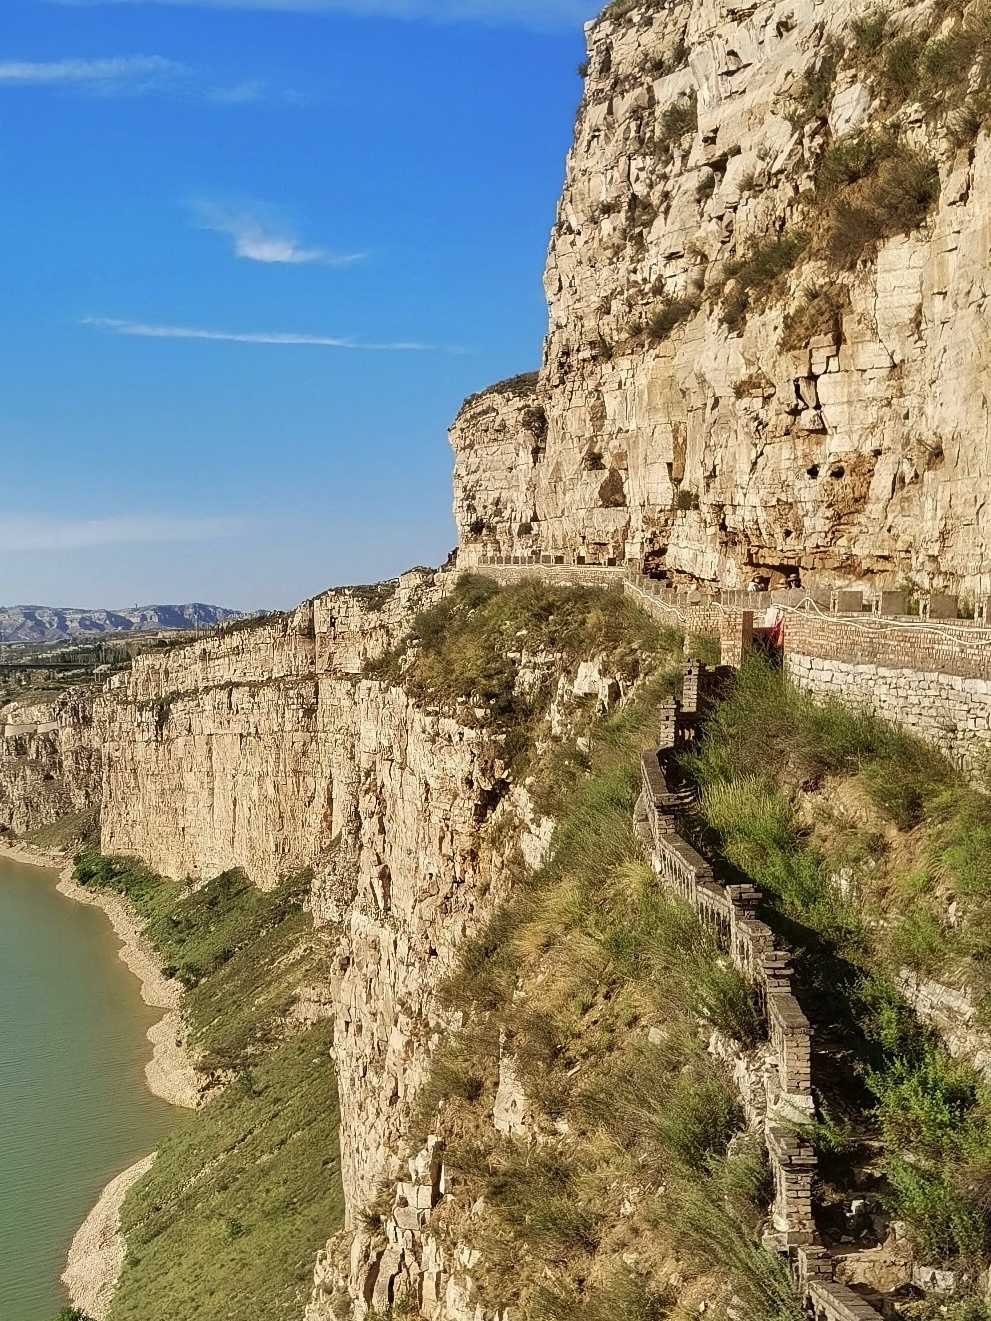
[42, 623]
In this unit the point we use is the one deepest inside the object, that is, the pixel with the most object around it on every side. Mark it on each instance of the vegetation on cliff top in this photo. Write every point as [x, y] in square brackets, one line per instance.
[492, 656]
[230, 1218]
[594, 986]
[872, 853]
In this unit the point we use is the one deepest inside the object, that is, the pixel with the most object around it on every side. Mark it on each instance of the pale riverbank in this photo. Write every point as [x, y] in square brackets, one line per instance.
[98, 1248]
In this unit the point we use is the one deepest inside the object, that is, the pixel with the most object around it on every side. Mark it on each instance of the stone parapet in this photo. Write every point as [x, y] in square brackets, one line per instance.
[728, 913]
[960, 648]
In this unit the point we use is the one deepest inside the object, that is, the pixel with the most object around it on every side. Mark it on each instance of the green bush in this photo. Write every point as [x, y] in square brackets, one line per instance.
[753, 281]
[766, 727]
[870, 30]
[869, 189]
[717, 1219]
[533, 1190]
[670, 1102]
[679, 118]
[900, 68]
[932, 1112]
[819, 311]
[920, 941]
[813, 93]
[668, 314]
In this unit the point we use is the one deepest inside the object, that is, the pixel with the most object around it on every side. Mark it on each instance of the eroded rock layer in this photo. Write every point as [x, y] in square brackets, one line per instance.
[730, 381]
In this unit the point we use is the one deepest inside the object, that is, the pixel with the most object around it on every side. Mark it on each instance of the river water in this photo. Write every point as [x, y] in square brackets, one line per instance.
[74, 1110]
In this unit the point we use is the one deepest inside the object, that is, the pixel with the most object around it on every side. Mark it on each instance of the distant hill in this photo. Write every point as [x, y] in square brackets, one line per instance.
[42, 623]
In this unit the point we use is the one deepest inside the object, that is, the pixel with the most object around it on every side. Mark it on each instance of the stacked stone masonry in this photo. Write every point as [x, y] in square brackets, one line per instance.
[728, 913]
[934, 680]
[931, 676]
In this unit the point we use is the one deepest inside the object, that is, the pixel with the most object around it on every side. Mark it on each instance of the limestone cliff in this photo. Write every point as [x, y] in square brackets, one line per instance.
[235, 751]
[50, 761]
[260, 747]
[769, 330]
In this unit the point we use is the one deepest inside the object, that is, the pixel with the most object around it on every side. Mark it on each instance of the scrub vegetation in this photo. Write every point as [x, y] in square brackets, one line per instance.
[602, 992]
[240, 1199]
[872, 852]
[492, 656]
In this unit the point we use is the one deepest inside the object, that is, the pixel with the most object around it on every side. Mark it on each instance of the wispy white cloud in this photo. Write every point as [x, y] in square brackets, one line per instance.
[143, 330]
[125, 71]
[27, 533]
[132, 75]
[529, 13]
[260, 234]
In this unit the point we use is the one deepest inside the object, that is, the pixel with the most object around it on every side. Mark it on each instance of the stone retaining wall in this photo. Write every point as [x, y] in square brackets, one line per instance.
[954, 649]
[929, 677]
[946, 710]
[728, 913]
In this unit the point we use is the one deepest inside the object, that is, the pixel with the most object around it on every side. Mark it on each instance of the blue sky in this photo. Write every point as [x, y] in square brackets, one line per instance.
[253, 255]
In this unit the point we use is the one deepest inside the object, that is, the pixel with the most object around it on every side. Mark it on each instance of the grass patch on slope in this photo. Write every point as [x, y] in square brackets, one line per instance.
[230, 1218]
[851, 827]
[492, 655]
[241, 953]
[602, 991]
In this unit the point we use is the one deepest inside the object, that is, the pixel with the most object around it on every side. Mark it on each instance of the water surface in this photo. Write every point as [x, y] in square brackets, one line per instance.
[74, 1110]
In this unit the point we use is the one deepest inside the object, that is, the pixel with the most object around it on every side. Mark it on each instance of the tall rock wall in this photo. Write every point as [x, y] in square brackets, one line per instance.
[854, 444]
[264, 747]
[229, 752]
[50, 761]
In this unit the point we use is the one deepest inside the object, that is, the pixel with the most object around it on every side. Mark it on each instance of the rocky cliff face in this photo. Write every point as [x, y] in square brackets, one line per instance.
[236, 751]
[769, 335]
[263, 748]
[269, 747]
[50, 762]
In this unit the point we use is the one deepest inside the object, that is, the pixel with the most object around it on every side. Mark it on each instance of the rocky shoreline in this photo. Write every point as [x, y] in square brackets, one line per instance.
[98, 1248]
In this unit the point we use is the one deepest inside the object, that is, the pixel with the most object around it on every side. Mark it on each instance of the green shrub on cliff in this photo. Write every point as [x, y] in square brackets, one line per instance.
[854, 829]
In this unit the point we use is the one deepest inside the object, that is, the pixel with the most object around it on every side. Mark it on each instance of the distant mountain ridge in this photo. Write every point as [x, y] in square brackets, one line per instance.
[42, 623]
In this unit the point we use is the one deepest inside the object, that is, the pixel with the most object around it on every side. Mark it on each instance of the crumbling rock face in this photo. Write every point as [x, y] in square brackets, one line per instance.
[706, 448]
[425, 873]
[49, 761]
[234, 751]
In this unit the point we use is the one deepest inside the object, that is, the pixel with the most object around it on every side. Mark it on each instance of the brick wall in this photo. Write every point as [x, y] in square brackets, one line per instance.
[954, 648]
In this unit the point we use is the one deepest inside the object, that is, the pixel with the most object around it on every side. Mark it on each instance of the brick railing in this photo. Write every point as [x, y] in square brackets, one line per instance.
[728, 913]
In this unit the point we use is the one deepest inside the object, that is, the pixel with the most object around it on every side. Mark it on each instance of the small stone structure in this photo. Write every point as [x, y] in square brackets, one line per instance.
[931, 675]
[781, 1100]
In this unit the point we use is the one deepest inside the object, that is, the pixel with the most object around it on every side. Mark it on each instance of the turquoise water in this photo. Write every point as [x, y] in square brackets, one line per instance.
[74, 1111]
